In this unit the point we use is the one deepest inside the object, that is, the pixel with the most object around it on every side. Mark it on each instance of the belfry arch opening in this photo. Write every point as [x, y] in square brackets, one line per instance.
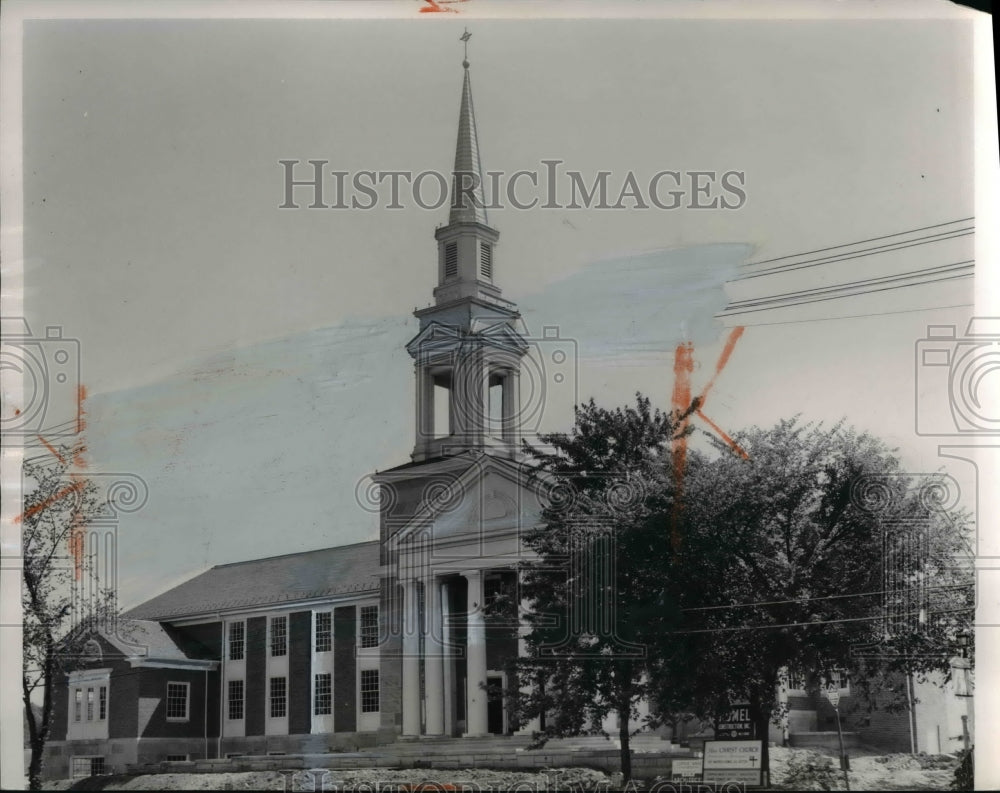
[443, 418]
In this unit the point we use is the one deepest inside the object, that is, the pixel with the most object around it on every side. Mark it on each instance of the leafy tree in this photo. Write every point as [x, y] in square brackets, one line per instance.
[817, 552]
[596, 589]
[58, 504]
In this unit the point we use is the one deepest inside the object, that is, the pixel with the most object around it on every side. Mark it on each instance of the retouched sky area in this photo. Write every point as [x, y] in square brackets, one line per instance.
[248, 361]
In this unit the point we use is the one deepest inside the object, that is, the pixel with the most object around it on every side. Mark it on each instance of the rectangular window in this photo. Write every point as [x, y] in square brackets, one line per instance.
[234, 696]
[90, 704]
[486, 260]
[77, 704]
[796, 680]
[177, 758]
[278, 696]
[369, 626]
[450, 259]
[323, 695]
[279, 636]
[324, 631]
[177, 701]
[237, 640]
[86, 766]
[102, 703]
[369, 690]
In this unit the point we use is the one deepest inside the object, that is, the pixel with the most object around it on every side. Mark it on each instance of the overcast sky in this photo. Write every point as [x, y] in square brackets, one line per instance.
[247, 361]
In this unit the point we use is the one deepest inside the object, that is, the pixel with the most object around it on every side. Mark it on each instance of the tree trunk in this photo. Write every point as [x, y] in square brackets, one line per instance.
[623, 739]
[35, 765]
[761, 713]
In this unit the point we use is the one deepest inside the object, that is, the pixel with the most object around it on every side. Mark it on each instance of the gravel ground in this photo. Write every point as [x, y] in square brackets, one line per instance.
[361, 780]
[792, 769]
[869, 771]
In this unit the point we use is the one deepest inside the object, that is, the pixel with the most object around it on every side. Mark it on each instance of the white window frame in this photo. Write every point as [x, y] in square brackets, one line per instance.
[361, 704]
[361, 623]
[787, 682]
[270, 697]
[843, 690]
[91, 757]
[80, 681]
[187, 701]
[229, 640]
[270, 636]
[229, 699]
[328, 631]
[315, 693]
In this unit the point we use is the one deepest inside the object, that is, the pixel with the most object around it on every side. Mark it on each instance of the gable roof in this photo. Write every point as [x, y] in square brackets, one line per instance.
[275, 580]
[154, 641]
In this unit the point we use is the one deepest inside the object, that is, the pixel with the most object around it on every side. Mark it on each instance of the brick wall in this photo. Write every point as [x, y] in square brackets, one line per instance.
[256, 670]
[390, 665]
[344, 670]
[300, 672]
[153, 689]
[123, 701]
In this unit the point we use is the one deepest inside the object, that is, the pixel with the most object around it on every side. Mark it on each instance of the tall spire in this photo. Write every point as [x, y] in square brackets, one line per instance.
[467, 198]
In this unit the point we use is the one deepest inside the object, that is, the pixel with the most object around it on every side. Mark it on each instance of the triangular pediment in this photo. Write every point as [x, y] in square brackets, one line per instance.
[490, 498]
[439, 337]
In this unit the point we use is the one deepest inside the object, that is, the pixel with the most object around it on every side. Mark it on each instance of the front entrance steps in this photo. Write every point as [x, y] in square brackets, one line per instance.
[823, 740]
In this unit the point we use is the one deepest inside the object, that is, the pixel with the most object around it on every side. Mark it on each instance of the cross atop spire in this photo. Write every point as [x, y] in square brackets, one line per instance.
[465, 40]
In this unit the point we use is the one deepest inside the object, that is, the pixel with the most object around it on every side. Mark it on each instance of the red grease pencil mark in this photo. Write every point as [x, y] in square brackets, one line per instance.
[71, 488]
[680, 402]
[77, 528]
[437, 6]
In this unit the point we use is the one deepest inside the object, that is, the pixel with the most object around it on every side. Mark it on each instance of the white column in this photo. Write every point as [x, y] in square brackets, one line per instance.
[411, 659]
[511, 406]
[476, 722]
[433, 666]
[448, 670]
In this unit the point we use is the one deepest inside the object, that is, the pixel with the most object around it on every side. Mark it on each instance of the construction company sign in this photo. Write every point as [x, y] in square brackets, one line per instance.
[737, 723]
[733, 761]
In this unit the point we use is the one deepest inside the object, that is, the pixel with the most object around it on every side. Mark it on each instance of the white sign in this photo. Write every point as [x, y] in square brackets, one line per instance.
[683, 768]
[834, 697]
[733, 754]
[741, 776]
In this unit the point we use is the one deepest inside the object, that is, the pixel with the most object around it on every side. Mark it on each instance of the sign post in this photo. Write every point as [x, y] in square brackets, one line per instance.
[834, 697]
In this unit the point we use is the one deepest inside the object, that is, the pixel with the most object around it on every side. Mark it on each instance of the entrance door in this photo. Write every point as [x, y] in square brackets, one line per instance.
[494, 704]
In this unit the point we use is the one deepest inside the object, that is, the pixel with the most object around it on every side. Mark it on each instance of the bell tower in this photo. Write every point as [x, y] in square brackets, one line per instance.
[467, 355]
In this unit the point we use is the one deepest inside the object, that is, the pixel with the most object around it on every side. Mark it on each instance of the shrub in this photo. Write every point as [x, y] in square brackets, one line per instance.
[965, 773]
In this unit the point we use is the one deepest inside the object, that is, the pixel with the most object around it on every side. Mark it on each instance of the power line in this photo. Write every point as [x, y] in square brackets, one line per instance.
[848, 255]
[820, 597]
[818, 622]
[862, 242]
[727, 313]
[860, 283]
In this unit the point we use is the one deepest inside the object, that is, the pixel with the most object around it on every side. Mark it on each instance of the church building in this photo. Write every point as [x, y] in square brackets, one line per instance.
[409, 636]
[350, 646]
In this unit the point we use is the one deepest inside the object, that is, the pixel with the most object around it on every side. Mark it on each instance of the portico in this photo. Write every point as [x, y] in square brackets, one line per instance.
[433, 639]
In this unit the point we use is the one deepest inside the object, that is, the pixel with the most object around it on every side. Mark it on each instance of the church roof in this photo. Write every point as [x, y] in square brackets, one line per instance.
[154, 641]
[273, 581]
